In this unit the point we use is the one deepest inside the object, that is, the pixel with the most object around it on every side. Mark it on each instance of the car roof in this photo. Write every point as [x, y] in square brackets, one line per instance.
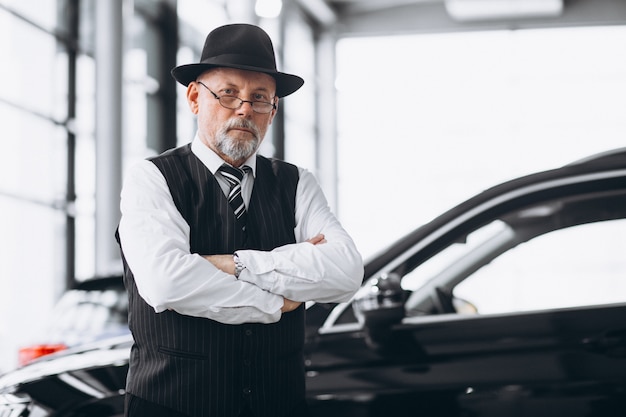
[603, 159]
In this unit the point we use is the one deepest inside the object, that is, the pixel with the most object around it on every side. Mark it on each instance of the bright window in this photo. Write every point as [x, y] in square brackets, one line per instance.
[426, 121]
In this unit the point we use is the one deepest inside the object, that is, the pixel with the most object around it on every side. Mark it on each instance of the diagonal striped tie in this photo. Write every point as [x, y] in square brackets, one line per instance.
[234, 176]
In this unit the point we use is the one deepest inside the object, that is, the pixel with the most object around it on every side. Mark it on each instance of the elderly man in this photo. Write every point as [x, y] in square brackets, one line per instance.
[222, 247]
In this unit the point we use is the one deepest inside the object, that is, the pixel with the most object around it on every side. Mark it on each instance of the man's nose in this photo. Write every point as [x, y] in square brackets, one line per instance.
[246, 107]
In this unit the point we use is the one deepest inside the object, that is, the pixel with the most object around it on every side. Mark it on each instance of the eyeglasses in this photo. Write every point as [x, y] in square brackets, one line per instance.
[234, 103]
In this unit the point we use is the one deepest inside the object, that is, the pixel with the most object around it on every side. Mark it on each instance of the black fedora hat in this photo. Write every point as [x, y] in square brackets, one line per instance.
[241, 46]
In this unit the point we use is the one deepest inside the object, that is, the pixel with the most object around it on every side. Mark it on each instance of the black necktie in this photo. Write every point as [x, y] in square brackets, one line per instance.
[234, 176]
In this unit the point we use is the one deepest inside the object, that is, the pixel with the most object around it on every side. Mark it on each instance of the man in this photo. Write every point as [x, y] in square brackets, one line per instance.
[218, 267]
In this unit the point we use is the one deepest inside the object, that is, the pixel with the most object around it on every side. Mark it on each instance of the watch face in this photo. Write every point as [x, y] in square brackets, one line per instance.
[239, 266]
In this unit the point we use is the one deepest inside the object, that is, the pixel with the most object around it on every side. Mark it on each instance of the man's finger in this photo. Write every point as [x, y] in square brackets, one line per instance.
[317, 239]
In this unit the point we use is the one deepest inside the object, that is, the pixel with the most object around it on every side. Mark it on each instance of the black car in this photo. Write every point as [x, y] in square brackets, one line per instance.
[513, 303]
[93, 309]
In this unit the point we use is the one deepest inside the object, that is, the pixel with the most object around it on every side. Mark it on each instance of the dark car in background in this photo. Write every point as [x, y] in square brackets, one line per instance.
[93, 309]
[512, 303]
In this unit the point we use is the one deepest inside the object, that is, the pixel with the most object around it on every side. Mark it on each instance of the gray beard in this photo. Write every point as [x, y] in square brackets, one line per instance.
[237, 150]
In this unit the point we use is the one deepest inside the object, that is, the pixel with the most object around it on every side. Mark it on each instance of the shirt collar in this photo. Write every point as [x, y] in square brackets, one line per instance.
[212, 160]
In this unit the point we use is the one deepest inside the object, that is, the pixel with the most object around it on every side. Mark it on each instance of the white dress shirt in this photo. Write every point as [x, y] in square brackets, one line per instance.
[155, 241]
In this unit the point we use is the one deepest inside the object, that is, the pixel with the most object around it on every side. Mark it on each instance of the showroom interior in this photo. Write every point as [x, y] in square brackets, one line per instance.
[457, 95]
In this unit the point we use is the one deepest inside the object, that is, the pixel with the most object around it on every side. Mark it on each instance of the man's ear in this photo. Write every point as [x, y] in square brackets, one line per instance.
[274, 111]
[192, 97]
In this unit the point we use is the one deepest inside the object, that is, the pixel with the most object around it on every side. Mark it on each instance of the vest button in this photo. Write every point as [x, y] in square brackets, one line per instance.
[248, 332]
[247, 391]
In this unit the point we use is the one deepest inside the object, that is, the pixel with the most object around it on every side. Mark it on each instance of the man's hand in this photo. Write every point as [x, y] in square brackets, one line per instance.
[289, 305]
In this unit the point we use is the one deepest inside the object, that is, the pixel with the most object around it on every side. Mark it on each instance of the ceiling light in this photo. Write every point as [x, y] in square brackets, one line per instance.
[468, 10]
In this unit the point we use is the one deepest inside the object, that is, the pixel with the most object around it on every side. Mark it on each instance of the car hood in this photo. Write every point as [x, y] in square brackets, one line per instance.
[102, 353]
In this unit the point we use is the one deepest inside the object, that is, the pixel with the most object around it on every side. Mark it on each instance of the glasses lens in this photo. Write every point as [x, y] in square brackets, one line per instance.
[262, 107]
[230, 102]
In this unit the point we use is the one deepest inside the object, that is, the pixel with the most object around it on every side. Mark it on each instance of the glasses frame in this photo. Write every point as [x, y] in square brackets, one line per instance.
[241, 101]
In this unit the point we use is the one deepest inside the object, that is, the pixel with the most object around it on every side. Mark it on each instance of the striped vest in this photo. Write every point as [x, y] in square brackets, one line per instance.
[201, 367]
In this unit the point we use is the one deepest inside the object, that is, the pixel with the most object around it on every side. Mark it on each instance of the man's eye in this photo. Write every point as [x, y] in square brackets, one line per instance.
[228, 91]
[260, 97]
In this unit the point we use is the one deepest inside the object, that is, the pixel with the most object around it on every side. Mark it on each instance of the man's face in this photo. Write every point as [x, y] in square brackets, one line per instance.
[234, 134]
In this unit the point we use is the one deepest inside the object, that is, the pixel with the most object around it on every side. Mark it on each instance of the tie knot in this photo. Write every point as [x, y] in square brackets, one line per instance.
[232, 174]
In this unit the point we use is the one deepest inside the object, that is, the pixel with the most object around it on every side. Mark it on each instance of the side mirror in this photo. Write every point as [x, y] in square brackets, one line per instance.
[378, 306]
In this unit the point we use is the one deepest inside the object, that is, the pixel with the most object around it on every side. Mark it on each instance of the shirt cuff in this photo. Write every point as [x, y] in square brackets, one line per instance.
[257, 262]
[258, 266]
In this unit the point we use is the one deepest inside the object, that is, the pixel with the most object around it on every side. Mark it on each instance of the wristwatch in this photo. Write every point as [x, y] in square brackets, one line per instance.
[239, 266]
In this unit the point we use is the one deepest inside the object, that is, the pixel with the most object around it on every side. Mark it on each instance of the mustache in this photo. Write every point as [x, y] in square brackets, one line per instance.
[239, 123]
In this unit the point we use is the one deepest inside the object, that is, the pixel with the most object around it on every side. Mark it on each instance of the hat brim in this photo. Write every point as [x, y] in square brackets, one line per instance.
[285, 83]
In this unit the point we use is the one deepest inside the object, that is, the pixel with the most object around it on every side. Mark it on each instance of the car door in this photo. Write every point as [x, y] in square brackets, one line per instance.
[518, 309]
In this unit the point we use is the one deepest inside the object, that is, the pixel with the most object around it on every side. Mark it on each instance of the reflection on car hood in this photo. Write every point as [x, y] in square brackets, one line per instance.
[110, 351]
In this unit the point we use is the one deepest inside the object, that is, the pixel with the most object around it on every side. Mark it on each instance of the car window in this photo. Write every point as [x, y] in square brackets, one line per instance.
[493, 234]
[556, 253]
[570, 267]
[576, 266]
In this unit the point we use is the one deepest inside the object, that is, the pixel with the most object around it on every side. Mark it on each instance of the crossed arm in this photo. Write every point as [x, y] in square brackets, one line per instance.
[226, 264]
[155, 239]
